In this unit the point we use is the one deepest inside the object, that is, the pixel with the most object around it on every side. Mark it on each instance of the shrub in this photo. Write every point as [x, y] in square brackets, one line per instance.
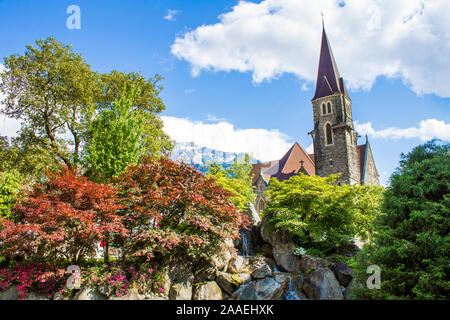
[319, 214]
[62, 218]
[37, 277]
[172, 207]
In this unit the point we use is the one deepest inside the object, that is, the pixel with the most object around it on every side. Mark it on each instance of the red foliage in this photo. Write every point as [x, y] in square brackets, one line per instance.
[64, 217]
[170, 206]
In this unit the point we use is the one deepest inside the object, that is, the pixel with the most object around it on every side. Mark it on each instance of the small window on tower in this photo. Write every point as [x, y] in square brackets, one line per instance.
[331, 162]
[328, 134]
[329, 107]
[324, 108]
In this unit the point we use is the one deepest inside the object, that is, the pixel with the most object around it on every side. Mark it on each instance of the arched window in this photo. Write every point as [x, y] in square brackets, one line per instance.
[328, 134]
[324, 108]
[329, 107]
[260, 205]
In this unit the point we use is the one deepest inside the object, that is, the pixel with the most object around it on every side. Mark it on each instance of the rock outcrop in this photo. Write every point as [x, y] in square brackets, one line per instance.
[207, 291]
[322, 284]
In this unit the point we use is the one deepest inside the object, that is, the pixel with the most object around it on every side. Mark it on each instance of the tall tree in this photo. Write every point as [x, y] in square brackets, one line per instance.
[115, 138]
[52, 90]
[147, 103]
[412, 243]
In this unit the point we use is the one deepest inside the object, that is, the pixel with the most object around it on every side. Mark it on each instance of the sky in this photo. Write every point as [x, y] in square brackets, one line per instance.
[240, 75]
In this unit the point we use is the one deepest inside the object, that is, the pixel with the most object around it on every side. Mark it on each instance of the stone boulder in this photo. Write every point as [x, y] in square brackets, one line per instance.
[261, 267]
[133, 294]
[238, 264]
[231, 282]
[10, 294]
[265, 230]
[261, 289]
[283, 252]
[181, 291]
[90, 293]
[309, 263]
[342, 273]
[322, 284]
[220, 260]
[34, 297]
[207, 291]
[253, 214]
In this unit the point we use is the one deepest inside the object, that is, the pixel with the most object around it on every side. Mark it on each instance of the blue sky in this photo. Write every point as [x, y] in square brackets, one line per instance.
[239, 76]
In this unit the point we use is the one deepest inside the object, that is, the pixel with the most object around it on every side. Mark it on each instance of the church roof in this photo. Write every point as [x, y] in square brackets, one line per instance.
[328, 79]
[290, 164]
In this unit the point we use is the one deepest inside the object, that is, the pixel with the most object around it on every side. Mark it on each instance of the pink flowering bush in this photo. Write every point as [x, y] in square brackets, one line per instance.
[112, 279]
[37, 277]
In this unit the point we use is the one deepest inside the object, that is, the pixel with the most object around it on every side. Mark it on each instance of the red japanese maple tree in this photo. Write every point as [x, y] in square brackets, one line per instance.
[171, 207]
[63, 217]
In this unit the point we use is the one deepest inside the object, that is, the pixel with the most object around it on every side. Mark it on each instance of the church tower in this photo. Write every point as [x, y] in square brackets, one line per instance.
[334, 137]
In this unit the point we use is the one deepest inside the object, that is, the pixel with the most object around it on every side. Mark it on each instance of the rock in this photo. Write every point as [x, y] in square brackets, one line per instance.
[308, 263]
[253, 214]
[260, 268]
[10, 294]
[133, 294]
[34, 297]
[231, 282]
[238, 264]
[227, 252]
[205, 273]
[265, 230]
[181, 291]
[207, 291]
[322, 284]
[342, 273]
[89, 293]
[261, 289]
[283, 252]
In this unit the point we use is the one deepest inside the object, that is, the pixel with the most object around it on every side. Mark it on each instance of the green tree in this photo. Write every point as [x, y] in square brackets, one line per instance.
[116, 138]
[148, 103]
[411, 243]
[319, 214]
[237, 180]
[27, 157]
[10, 187]
[52, 90]
[56, 95]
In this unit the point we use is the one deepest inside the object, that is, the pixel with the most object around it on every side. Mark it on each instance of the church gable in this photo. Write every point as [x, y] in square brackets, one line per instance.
[369, 172]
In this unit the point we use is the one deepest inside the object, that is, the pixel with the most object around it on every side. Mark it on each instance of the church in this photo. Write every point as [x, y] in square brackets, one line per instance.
[334, 138]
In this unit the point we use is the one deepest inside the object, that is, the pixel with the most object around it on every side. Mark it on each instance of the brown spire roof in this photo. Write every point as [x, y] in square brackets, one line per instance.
[328, 79]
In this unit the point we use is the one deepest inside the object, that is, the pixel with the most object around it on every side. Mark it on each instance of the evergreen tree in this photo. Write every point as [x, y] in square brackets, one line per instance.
[412, 244]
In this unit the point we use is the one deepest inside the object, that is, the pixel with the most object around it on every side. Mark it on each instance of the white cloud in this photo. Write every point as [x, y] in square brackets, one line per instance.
[8, 127]
[171, 14]
[426, 130]
[264, 145]
[370, 38]
[189, 91]
[212, 118]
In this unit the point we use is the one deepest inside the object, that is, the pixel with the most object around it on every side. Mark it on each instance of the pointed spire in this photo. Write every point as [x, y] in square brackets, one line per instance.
[328, 79]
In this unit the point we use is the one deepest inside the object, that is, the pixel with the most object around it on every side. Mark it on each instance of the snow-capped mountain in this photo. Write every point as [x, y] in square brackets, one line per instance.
[202, 157]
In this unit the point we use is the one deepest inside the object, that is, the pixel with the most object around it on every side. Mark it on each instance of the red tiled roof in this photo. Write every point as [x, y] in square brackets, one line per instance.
[285, 168]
